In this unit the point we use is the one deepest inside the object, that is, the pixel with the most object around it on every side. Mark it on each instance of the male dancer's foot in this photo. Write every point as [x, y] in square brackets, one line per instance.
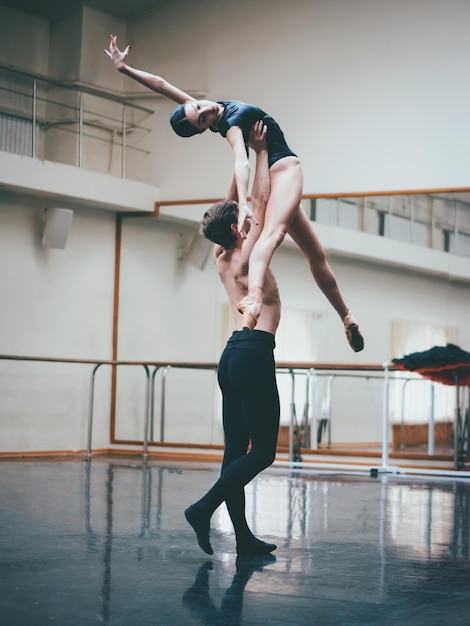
[246, 565]
[253, 546]
[201, 526]
[250, 307]
[353, 334]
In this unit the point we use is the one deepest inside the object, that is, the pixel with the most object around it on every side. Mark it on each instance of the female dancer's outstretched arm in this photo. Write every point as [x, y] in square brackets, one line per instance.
[153, 82]
[234, 136]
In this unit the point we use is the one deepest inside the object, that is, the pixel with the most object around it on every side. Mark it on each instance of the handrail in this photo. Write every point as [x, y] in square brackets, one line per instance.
[294, 365]
[97, 363]
[407, 379]
[76, 119]
[163, 402]
[166, 369]
[431, 416]
[43, 359]
[165, 365]
[75, 86]
[281, 367]
[309, 367]
[91, 403]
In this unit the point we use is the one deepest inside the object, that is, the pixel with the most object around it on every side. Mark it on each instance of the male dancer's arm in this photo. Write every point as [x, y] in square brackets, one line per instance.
[261, 187]
[241, 176]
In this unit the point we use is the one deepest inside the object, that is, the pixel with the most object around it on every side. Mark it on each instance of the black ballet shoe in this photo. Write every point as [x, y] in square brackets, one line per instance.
[249, 564]
[353, 334]
[355, 338]
[255, 547]
[201, 527]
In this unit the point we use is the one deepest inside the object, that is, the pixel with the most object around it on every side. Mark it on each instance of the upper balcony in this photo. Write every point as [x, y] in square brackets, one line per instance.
[64, 141]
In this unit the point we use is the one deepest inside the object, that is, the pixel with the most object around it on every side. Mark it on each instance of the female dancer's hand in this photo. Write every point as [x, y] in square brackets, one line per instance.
[117, 57]
[245, 214]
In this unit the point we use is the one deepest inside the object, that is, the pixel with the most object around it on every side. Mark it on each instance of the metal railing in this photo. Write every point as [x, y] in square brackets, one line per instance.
[38, 116]
[306, 369]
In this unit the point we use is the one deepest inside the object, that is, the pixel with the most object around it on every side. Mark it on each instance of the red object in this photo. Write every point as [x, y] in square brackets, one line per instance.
[449, 365]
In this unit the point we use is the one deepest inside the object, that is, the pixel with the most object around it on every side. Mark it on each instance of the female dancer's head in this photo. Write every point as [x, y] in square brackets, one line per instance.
[194, 117]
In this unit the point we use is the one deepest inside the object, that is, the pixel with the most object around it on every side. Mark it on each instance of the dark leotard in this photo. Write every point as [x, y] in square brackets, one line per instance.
[244, 115]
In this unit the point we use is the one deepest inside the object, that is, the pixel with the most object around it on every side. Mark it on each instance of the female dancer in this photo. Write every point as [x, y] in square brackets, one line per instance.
[233, 120]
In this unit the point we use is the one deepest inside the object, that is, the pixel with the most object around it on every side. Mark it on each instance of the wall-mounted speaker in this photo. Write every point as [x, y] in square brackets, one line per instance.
[56, 228]
[199, 251]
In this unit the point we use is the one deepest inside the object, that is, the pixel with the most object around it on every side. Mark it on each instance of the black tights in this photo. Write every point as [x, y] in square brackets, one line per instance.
[247, 379]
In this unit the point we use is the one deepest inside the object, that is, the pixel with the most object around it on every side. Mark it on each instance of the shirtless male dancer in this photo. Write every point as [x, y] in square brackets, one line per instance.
[246, 372]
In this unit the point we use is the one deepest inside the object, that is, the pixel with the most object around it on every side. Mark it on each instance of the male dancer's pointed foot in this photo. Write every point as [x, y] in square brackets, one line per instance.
[201, 526]
[250, 307]
[254, 547]
[353, 334]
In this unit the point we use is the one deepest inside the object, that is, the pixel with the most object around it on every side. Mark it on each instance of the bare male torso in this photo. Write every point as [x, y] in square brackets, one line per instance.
[234, 275]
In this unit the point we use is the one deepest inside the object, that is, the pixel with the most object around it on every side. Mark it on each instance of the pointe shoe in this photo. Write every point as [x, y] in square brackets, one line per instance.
[250, 307]
[353, 334]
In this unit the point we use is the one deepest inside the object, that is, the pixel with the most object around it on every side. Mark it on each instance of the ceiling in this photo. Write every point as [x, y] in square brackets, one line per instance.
[53, 9]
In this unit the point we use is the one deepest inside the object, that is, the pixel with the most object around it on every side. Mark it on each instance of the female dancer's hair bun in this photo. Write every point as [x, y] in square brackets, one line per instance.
[180, 124]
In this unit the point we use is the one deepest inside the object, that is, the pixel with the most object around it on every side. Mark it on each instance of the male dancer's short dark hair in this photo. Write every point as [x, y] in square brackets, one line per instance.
[216, 225]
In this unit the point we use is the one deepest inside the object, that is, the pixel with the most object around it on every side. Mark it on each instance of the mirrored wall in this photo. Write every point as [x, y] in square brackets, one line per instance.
[440, 221]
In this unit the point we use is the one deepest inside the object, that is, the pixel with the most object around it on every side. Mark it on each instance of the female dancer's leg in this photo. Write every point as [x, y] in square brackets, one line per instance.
[301, 231]
[286, 191]
[285, 215]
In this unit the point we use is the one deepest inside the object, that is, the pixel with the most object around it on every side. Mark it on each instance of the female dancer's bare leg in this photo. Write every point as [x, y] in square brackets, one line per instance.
[285, 215]
[286, 191]
[301, 231]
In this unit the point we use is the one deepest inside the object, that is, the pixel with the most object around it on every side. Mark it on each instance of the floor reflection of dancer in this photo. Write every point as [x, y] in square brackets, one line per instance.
[246, 372]
[197, 598]
[233, 119]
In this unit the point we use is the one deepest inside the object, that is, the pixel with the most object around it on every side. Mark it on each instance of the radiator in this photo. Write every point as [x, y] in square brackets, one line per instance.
[16, 135]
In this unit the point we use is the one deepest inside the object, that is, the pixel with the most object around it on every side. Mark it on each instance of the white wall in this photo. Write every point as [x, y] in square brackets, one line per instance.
[24, 41]
[382, 105]
[171, 310]
[54, 303]
[370, 93]
[58, 303]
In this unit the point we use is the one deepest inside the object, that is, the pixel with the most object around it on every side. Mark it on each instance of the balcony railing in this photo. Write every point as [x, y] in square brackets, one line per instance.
[87, 127]
[69, 123]
[306, 372]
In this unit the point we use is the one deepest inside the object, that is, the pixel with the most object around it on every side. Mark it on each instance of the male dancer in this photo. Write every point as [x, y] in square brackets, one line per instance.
[246, 372]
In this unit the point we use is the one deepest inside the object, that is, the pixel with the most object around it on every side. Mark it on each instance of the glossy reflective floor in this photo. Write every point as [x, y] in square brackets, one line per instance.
[107, 543]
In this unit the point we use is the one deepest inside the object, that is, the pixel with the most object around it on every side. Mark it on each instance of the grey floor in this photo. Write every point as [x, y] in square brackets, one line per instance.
[107, 543]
